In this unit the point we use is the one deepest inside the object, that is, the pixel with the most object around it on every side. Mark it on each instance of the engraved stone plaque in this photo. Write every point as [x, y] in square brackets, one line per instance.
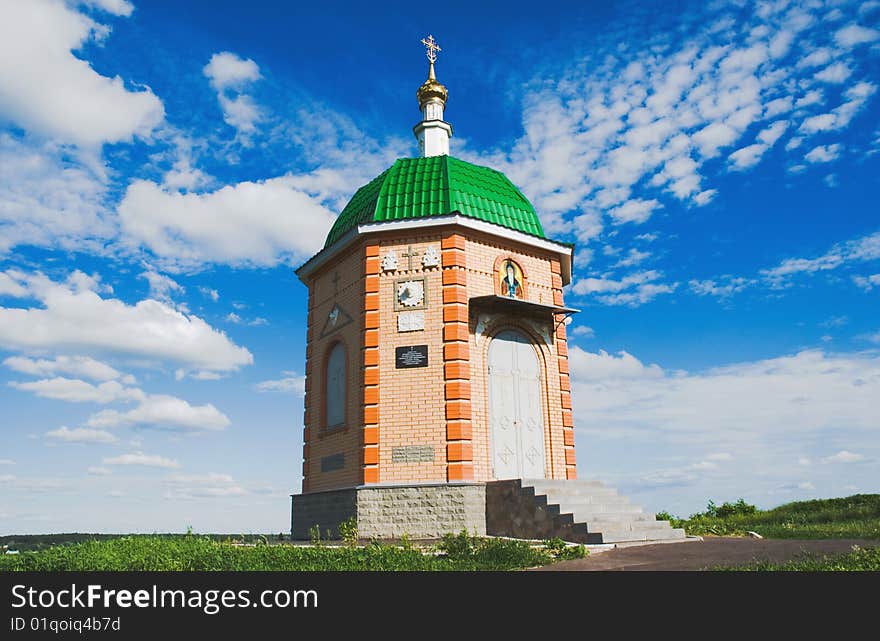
[412, 356]
[412, 454]
[410, 321]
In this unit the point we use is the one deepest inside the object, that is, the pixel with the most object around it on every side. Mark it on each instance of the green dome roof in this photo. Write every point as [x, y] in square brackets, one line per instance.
[434, 186]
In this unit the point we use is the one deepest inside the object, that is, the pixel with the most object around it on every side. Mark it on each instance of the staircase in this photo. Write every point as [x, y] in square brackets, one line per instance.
[578, 511]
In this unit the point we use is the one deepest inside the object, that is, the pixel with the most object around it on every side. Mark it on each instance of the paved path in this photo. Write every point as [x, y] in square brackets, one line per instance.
[711, 552]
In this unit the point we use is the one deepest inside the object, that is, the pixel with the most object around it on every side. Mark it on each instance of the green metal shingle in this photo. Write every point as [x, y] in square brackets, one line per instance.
[423, 187]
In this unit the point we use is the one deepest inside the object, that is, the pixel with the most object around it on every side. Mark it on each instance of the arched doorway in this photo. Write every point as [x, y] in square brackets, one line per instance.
[515, 414]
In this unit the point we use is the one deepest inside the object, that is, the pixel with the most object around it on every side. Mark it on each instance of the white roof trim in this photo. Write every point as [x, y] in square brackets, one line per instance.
[323, 256]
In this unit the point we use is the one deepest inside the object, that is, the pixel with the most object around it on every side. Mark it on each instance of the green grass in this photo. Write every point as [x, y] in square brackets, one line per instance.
[198, 553]
[853, 517]
[859, 560]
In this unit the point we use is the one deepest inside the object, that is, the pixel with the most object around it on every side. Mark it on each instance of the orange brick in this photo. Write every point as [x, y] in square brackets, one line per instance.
[371, 284]
[560, 331]
[555, 266]
[454, 294]
[371, 415]
[371, 251]
[463, 471]
[455, 332]
[371, 266]
[371, 474]
[459, 431]
[453, 258]
[371, 376]
[458, 390]
[453, 241]
[564, 383]
[556, 281]
[571, 473]
[371, 357]
[305, 451]
[563, 366]
[371, 338]
[371, 320]
[454, 277]
[567, 419]
[562, 348]
[457, 369]
[568, 437]
[457, 410]
[371, 302]
[371, 435]
[569, 457]
[371, 455]
[460, 451]
[455, 313]
[557, 297]
[456, 352]
[565, 400]
[305, 468]
[371, 395]
[307, 434]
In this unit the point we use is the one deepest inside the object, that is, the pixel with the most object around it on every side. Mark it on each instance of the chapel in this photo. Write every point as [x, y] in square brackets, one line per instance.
[438, 395]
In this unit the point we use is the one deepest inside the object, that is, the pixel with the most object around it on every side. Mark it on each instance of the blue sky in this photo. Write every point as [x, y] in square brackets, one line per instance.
[165, 165]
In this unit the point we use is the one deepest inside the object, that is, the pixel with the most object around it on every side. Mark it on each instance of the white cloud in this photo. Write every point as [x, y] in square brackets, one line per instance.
[587, 366]
[162, 286]
[141, 459]
[583, 330]
[80, 435]
[77, 318]
[294, 384]
[720, 456]
[729, 286]
[6, 461]
[251, 223]
[853, 35]
[116, 7]
[226, 70]
[853, 251]
[195, 486]
[49, 200]
[765, 411]
[74, 365]
[71, 101]
[94, 470]
[213, 294]
[633, 257]
[634, 211]
[9, 287]
[867, 283]
[822, 122]
[229, 74]
[633, 290]
[77, 391]
[773, 132]
[163, 412]
[843, 456]
[823, 153]
[747, 157]
[835, 73]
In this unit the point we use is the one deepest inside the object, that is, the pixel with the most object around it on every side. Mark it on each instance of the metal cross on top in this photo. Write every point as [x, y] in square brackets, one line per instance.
[432, 48]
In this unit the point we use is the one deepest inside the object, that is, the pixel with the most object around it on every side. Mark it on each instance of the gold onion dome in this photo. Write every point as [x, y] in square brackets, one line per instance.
[431, 88]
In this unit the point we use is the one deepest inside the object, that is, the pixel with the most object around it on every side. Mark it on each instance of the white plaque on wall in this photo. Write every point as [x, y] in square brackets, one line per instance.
[410, 321]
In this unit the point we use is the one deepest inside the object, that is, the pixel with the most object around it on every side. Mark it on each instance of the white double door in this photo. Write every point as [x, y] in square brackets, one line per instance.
[515, 414]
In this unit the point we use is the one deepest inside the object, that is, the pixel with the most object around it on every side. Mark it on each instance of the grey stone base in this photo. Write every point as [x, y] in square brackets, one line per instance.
[419, 511]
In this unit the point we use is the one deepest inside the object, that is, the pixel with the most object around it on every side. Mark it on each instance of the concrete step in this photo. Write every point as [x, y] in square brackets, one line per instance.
[598, 508]
[579, 495]
[623, 536]
[592, 517]
[646, 526]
